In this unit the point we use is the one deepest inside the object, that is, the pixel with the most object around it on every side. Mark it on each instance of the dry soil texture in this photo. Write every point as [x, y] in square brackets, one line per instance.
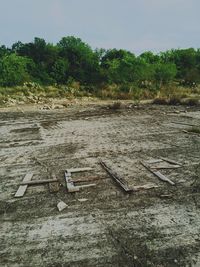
[102, 225]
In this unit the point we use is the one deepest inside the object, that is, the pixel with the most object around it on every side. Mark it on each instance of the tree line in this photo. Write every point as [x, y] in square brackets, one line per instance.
[72, 59]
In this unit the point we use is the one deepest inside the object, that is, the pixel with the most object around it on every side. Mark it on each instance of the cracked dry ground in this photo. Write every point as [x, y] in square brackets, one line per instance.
[156, 227]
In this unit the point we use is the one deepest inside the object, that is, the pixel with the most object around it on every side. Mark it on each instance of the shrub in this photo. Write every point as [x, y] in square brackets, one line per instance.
[160, 101]
[191, 102]
[174, 101]
[115, 106]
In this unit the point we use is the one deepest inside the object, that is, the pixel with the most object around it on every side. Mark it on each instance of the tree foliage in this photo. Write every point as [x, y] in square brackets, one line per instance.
[13, 70]
[71, 58]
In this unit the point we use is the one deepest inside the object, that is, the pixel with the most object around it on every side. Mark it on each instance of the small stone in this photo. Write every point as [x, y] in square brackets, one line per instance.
[82, 199]
[62, 205]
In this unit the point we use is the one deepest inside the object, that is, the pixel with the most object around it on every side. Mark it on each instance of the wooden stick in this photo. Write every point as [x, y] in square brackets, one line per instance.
[163, 178]
[39, 182]
[120, 181]
[158, 174]
[171, 161]
[165, 167]
[152, 161]
[79, 170]
[85, 185]
[145, 187]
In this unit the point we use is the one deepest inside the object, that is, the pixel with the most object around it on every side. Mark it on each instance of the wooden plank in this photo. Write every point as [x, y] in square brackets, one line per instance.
[165, 167]
[73, 170]
[152, 161]
[39, 182]
[145, 187]
[85, 186]
[22, 188]
[70, 185]
[163, 177]
[171, 161]
[119, 180]
[158, 174]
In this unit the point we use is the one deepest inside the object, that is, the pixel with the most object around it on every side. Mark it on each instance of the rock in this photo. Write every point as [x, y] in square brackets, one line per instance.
[82, 199]
[62, 205]
[58, 107]
[46, 107]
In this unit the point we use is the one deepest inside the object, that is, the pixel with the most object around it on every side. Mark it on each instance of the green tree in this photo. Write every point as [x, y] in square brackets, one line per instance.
[149, 57]
[83, 62]
[119, 66]
[164, 73]
[13, 70]
[60, 71]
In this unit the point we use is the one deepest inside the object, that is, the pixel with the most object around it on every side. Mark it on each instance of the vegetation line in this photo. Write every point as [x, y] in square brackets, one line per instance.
[72, 67]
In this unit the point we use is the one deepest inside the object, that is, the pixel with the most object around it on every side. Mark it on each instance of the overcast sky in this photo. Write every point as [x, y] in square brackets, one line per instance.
[135, 25]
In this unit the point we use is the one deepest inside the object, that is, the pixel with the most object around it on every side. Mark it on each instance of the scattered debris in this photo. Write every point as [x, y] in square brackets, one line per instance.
[152, 169]
[62, 205]
[158, 174]
[71, 187]
[120, 181]
[27, 182]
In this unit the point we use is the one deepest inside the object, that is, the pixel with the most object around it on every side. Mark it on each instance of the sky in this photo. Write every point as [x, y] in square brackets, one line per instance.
[134, 25]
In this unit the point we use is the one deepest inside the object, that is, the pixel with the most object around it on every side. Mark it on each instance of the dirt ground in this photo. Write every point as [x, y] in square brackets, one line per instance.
[102, 225]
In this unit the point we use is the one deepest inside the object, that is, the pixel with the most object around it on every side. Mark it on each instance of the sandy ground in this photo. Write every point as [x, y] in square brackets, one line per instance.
[156, 227]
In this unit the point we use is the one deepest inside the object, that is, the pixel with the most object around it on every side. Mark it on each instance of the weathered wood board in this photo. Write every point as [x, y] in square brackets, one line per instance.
[22, 188]
[73, 170]
[120, 181]
[39, 182]
[158, 174]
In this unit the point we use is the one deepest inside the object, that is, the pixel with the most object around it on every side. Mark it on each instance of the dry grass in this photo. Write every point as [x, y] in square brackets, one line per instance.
[176, 95]
[172, 94]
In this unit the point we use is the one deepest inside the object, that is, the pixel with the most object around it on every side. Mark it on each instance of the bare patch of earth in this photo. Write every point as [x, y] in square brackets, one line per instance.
[157, 227]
